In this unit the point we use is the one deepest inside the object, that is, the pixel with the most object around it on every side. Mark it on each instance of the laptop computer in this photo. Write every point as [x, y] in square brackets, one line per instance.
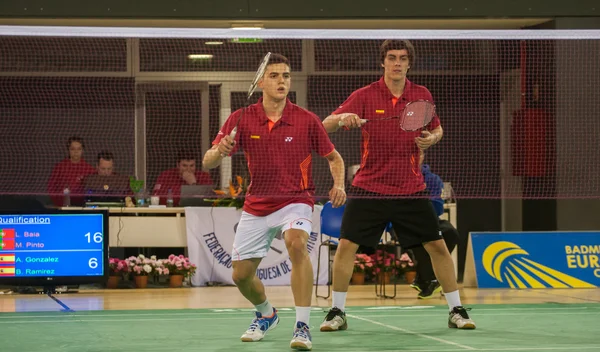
[194, 195]
[103, 190]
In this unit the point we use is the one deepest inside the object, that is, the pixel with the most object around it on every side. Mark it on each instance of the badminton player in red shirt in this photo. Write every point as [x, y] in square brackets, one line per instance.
[389, 186]
[278, 138]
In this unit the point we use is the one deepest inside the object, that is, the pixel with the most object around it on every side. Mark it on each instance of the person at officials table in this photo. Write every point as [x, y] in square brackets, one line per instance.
[97, 183]
[69, 173]
[184, 174]
[106, 163]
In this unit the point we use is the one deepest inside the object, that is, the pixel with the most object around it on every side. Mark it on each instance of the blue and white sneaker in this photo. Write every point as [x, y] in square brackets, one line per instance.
[260, 326]
[301, 341]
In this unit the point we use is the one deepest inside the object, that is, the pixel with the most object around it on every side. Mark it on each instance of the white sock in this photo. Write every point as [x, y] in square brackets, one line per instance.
[339, 300]
[303, 315]
[453, 299]
[265, 309]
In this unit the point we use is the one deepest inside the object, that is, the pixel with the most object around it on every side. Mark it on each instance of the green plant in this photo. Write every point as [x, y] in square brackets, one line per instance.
[135, 184]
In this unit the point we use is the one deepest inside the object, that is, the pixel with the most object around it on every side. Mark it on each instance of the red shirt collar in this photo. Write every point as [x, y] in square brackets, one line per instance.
[286, 115]
[381, 83]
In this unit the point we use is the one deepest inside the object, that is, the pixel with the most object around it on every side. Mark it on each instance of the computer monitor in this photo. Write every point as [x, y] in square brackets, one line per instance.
[106, 189]
[194, 195]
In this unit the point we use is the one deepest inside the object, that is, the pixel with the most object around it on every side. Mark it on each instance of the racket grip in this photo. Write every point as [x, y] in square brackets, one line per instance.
[232, 135]
[362, 122]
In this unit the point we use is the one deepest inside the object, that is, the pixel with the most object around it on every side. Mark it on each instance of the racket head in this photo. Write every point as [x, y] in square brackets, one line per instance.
[259, 74]
[416, 115]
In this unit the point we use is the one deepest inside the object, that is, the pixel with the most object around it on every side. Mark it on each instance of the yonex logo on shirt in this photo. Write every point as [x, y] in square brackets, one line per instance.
[288, 139]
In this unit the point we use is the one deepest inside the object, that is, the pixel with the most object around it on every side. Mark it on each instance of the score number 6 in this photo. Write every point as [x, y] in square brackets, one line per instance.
[97, 237]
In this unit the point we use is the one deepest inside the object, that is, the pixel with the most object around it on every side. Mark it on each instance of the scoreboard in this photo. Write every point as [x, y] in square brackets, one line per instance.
[54, 245]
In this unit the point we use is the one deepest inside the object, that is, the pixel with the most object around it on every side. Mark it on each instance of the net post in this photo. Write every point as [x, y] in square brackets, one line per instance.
[205, 140]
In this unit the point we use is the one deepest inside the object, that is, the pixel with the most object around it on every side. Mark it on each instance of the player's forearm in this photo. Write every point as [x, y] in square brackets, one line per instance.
[336, 166]
[332, 123]
[212, 159]
[438, 133]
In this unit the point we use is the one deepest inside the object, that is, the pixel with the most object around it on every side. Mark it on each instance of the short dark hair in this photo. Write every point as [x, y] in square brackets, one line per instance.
[106, 155]
[278, 59]
[75, 139]
[393, 44]
[186, 155]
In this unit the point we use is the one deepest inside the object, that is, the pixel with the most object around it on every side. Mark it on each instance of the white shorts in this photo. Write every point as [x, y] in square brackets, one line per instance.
[255, 233]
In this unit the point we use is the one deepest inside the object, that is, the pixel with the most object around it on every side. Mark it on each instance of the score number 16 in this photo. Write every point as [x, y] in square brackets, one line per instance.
[96, 237]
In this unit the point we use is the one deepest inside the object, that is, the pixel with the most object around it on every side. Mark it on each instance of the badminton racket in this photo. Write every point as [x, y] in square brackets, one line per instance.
[259, 74]
[416, 115]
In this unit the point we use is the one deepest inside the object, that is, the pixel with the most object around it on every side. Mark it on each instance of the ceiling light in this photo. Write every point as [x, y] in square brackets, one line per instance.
[213, 43]
[199, 56]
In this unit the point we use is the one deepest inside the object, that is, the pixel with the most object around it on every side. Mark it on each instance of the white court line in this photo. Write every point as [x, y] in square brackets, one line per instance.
[77, 319]
[464, 347]
[208, 315]
[90, 318]
[400, 308]
[479, 315]
[232, 316]
[565, 348]
[540, 348]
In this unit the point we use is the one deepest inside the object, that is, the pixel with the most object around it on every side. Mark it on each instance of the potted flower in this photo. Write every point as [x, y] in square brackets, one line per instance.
[116, 267]
[178, 268]
[363, 264]
[408, 267]
[160, 267]
[385, 266]
[141, 267]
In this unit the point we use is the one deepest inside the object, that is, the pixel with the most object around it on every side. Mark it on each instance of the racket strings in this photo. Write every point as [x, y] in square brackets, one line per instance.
[417, 115]
[259, 74]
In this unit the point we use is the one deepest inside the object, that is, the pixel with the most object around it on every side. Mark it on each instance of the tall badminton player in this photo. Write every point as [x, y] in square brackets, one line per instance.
[278, 138]
[389, 185]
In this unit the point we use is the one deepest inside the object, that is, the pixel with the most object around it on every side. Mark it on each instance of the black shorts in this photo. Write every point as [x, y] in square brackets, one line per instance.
[414, 219]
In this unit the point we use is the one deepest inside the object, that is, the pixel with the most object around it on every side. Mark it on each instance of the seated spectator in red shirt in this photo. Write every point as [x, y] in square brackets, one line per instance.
[69, 173]
[184, 174]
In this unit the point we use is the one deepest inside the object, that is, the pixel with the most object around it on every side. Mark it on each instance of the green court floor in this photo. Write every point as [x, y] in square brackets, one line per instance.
[537, 327]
